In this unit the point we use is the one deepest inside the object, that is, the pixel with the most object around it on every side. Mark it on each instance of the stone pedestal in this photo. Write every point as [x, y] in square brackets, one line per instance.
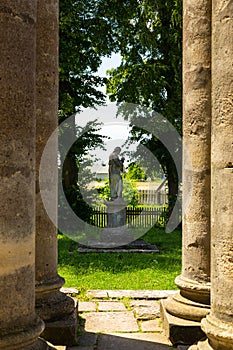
[116, 213]
[19, 325]
[56, 309]
[192, 302]
[218, 325]
[116, 234]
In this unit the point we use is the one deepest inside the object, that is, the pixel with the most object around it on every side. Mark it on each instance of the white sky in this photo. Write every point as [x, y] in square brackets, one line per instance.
[112, 126]
[115, 128]
[117, 132]
[108, 63]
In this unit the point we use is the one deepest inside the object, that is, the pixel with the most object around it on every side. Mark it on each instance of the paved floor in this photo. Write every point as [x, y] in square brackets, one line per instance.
[122, 320]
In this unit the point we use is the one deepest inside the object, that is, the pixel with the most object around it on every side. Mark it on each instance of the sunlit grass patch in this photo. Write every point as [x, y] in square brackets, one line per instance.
[122, 270]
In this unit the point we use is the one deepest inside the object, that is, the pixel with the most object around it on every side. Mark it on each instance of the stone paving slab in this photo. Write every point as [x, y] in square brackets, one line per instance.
[84, 306]
[111, 306]
[70, 290]
[133, 341]
[113, 327]
[151, 326]
[105, 322]
[146, 309]
[134, 294]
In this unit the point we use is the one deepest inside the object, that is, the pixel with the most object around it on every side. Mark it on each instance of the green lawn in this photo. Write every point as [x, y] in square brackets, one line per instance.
[122, 270]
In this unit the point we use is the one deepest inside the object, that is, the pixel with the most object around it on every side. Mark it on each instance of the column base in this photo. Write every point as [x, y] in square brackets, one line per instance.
[184, 311]
[219, 333]
[179, 330]
[59, 313]
[26, 339]
[62, 332]
[193, 290]
[187, 309]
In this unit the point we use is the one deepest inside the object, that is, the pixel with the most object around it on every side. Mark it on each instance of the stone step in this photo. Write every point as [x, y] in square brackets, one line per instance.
[134, 294]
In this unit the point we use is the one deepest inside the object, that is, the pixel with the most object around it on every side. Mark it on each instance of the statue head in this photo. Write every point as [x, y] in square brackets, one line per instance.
[117, 150]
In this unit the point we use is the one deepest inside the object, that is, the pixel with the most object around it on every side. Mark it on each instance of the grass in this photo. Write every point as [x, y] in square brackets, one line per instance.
[122, 270]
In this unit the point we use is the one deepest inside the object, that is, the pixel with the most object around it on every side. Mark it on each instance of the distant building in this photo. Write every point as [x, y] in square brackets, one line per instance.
[101, 171]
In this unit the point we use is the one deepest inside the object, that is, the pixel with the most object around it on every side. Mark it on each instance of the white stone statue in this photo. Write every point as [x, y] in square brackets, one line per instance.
[115, 169]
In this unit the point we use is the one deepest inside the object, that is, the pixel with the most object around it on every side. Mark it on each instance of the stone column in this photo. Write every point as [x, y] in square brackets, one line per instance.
[19, 325]
[54, 307]
[218, 325]
[192, 302]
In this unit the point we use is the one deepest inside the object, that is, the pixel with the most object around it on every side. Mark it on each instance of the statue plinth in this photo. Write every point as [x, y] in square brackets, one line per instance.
[116, 212]
[116, 234]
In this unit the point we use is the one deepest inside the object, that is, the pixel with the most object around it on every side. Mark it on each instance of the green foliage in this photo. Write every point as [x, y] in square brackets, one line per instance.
[147, 34]
[83, 40]
[122, 270]
[129, 192]
[135, 172]
[104, 191]
[81, 48]
[73, 159]
[150, 72]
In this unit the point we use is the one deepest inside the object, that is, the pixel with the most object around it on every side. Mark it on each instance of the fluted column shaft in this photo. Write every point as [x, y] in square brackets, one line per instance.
[219, 323]
[19, 325]
[194, 283]
[196, 137]
[55, 308]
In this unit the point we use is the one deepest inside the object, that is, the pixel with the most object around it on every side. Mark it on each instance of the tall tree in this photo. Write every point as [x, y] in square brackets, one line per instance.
[83, 42]
[147, 33]
[150, 72]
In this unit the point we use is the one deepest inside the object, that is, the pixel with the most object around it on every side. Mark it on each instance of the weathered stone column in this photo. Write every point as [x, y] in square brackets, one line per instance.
[218, 325]
[19, 325]
[54, 307]
[192, 302]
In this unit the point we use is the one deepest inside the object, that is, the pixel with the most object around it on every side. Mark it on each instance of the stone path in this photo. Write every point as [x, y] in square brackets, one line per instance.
[121, 320]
